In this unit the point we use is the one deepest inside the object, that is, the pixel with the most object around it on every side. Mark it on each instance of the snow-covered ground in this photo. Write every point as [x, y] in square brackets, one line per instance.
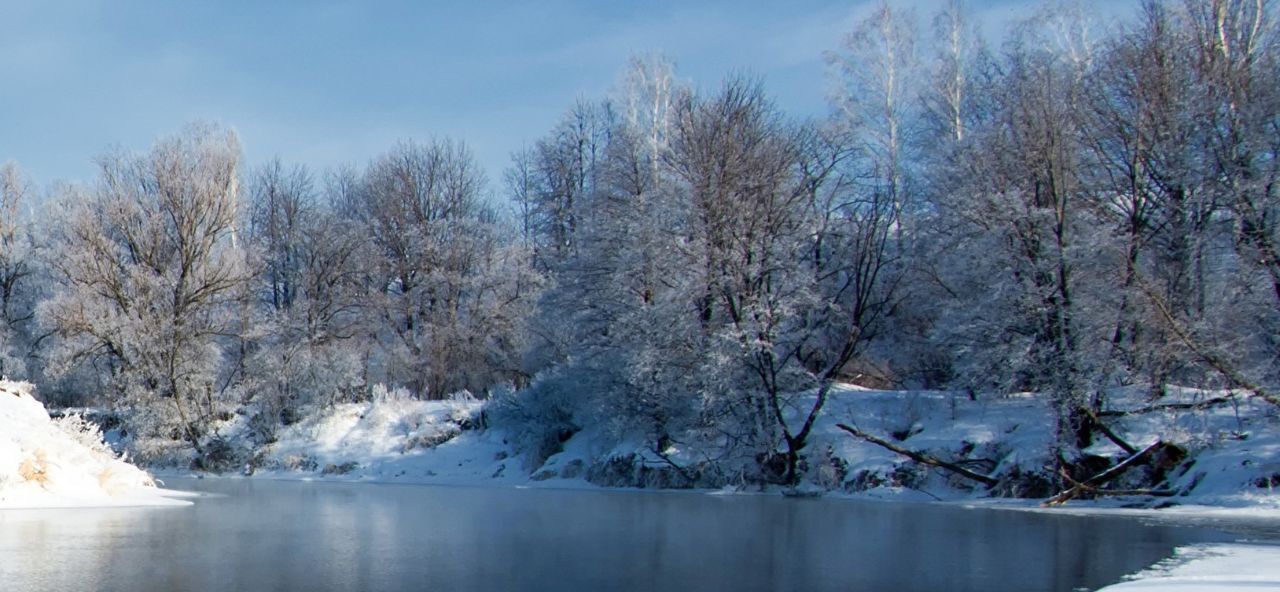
[1211, 568]
[46, 463]
[393, 438]
[1234, 448]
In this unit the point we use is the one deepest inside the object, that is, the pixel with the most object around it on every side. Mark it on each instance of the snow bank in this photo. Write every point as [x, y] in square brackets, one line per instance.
[1233, 448]
[62, 463]
[1233, 462]
[393, 438]
[1210, 568]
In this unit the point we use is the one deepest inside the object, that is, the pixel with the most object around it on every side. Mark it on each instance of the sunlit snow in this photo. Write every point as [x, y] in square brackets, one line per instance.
[64, 462]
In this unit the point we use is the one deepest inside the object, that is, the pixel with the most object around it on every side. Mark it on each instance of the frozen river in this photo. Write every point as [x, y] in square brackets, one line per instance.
[283, 535]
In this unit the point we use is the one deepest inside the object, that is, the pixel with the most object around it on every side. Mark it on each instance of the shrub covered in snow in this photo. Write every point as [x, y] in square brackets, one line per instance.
[540, 418]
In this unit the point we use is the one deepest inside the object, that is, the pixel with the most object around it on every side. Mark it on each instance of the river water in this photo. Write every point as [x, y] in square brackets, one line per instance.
[261, 535]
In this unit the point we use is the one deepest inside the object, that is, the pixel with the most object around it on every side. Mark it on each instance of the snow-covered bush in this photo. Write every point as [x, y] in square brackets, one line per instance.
[86, 432]
[539, 419]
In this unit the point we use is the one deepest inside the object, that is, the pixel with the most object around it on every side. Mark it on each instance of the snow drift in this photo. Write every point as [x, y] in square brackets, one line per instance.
[63, 462]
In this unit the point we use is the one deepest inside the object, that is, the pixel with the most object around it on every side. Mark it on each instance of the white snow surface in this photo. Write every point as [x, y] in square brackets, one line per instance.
[1211, 568]
[393, 438]
[46, 463]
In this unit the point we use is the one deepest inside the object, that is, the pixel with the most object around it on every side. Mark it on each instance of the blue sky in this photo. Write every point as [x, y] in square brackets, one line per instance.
[326, 82]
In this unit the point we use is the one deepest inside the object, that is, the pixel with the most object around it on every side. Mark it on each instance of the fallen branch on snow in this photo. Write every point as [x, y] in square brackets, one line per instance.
[1205, 404]
[1091, 490]
[921, 457]
[1091, 484]
[1110, 433]
[1208, 356]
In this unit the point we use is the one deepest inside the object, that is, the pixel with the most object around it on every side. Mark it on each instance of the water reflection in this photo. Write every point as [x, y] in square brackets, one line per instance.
[265, 535]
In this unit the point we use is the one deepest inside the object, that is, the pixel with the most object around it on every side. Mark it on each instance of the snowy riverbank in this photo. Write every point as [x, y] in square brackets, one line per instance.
[47, 463]
[1251, 562]
[1211, 568]
[1232, 463]
[1229, 476]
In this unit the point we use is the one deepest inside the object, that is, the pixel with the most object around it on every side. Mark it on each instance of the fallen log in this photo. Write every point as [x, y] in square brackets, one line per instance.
[1117, 492]
[1215, 361]
[1205, 404]
[1091, 484]
[1128, 492]
[1110, 433]
[921, 457]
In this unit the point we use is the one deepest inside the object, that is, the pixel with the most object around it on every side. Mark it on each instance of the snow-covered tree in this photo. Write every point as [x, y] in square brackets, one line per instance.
[307, 340]
[148, 272]
[1011, 210]
[449, 292]
[1142, 135]
[280, 201]
[566, 167]
[17, 269]
[879, 95]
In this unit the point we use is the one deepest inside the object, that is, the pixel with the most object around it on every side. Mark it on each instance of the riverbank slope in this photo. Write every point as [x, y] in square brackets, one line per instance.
[1231, 447]
[62, 463]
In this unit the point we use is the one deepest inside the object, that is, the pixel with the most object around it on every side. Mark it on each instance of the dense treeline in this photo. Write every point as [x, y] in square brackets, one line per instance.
[1077, 210]
[207, 309]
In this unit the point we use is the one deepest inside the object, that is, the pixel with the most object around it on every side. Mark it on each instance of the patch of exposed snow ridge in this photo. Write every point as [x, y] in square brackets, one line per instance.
[47, 463]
